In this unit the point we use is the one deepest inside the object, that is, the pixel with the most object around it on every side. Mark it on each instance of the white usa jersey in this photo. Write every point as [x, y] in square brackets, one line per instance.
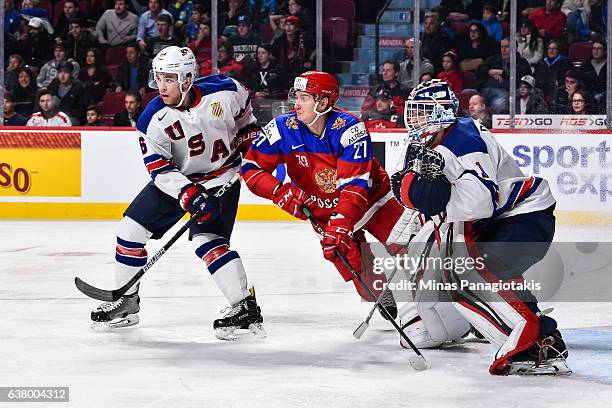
[199, 144]
[486, 182]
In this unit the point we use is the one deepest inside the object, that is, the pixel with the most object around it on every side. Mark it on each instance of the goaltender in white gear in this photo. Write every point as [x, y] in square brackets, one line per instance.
[484, 207]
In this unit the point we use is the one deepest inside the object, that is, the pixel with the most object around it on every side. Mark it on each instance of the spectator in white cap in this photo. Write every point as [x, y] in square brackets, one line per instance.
[531, 100]
[406, 66]
[36, 45]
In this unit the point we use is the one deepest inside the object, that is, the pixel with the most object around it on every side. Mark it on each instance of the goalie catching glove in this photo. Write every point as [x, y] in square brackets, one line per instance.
[420, 185]
[193, 198]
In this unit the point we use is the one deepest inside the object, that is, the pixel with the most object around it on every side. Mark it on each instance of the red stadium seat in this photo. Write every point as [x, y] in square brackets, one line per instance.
[48, 7]
[506, 29]
[84, 7]
[113, 102]
[468, 78]
[58, 10]
[115, 56]
[337, 29]
[341, 8]
[459, 27]
[266, 33]
[580, 51]
[464, 99]
[148, 97]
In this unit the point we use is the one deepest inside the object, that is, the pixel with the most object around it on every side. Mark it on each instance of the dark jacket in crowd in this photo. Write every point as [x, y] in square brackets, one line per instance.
[75, 102]
[122, 118]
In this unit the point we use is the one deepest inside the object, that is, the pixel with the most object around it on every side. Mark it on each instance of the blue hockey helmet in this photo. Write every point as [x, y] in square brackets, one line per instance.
[432, 105]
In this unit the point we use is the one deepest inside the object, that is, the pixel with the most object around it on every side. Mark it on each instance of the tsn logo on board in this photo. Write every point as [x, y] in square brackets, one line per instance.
[18, 178]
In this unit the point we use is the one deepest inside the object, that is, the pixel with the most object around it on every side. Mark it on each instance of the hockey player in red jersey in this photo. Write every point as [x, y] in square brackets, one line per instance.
[328, 154]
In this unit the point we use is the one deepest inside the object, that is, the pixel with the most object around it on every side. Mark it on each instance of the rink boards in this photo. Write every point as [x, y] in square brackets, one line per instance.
[93, 174]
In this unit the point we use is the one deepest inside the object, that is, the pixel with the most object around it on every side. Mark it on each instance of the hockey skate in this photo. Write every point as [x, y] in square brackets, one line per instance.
[546, 357]
[388, 301]
[245, 315]
[112, 315]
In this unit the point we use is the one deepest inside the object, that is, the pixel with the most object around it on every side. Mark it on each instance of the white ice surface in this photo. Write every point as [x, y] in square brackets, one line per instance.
[310, 359]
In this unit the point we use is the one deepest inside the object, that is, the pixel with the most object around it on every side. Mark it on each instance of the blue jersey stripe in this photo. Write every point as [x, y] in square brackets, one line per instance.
[222, 261]
[130, 244]
[464, 138]
[151, 109]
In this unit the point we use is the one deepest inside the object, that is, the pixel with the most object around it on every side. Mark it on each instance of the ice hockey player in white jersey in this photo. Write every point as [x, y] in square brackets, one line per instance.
[457, 173]
[192, 138]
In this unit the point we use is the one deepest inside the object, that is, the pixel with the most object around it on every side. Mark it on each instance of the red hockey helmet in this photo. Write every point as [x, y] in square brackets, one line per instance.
[318, 84]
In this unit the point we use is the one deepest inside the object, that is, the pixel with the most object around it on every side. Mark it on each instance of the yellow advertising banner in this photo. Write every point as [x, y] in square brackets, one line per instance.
[40, 164]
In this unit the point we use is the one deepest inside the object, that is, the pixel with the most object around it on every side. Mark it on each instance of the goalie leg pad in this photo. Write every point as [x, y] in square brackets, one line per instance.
[224, 264]
[430, 325]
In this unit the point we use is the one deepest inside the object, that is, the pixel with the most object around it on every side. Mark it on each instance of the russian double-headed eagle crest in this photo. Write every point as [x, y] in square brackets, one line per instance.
[292, 122]
[326, 180]
[339, 123]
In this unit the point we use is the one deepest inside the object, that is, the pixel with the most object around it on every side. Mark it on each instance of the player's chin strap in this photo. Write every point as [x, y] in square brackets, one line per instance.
[317, 113]
[183, 94]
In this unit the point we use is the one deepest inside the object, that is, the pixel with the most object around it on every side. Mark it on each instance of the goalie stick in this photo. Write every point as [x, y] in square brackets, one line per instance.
[114, 295]
[417, 362]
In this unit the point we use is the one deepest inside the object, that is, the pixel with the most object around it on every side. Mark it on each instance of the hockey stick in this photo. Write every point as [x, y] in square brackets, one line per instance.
[417, 362]
[361, 329]
[113, 295]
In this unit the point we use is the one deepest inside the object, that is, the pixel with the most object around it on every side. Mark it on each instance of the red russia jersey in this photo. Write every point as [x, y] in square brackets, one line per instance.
[336, 170]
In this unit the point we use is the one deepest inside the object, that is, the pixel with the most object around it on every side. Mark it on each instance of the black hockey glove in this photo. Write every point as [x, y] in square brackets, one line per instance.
[423, 161]
[193, 198]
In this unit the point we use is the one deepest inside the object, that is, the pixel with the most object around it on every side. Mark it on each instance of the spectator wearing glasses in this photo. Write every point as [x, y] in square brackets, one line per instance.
[549, 74]
[594, 72]
[582, 104]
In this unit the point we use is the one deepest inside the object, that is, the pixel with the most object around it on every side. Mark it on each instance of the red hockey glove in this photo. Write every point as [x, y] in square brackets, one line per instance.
[193, 198]
[337, 235]
[291, 199]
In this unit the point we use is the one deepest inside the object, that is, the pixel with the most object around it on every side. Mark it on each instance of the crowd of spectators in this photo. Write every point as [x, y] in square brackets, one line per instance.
[94, 47]
[469, 47]
[60, 67]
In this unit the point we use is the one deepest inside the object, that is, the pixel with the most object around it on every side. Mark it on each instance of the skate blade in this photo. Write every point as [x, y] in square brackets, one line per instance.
[556, 366]
[129, 320]
[233, 333]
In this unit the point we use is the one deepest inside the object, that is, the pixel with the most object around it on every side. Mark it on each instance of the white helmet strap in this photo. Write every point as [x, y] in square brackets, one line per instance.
[317, 113]
[183, 93]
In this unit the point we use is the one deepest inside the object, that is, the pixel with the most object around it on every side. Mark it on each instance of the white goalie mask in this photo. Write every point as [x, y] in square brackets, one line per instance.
[174, 60]
[431, 106]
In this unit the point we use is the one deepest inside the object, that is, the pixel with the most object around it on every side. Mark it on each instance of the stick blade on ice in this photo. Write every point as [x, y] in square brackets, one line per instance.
[360, 330]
